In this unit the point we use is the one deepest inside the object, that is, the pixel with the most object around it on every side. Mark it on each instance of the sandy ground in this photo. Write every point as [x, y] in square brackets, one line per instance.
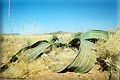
[9, 45]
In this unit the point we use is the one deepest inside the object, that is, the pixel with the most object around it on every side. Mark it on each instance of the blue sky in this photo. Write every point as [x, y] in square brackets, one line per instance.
[44, 16]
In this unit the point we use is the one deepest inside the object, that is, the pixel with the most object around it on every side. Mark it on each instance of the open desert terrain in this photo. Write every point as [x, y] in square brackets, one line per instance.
[38, 69]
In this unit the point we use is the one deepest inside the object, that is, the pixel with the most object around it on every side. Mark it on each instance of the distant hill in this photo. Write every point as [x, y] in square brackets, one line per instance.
[9, 34]
[58, 32]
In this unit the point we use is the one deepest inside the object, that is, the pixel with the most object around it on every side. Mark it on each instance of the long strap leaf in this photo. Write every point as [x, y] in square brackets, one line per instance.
[85, 59]
[95, 34]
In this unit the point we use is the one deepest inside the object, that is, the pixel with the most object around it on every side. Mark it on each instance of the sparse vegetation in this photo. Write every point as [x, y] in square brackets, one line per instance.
[108, 51]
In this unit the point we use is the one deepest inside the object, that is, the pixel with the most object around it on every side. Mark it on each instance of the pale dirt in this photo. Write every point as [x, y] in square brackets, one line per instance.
[10, 45]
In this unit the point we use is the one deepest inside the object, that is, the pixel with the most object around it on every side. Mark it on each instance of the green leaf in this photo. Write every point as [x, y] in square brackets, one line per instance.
[85, 59]
[95, 34]
[53, 39]
[32, 53]
[29, 50]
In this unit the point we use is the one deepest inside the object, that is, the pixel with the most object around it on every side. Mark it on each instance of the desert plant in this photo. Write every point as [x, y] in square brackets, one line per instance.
[83, 43]
[86, 50]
